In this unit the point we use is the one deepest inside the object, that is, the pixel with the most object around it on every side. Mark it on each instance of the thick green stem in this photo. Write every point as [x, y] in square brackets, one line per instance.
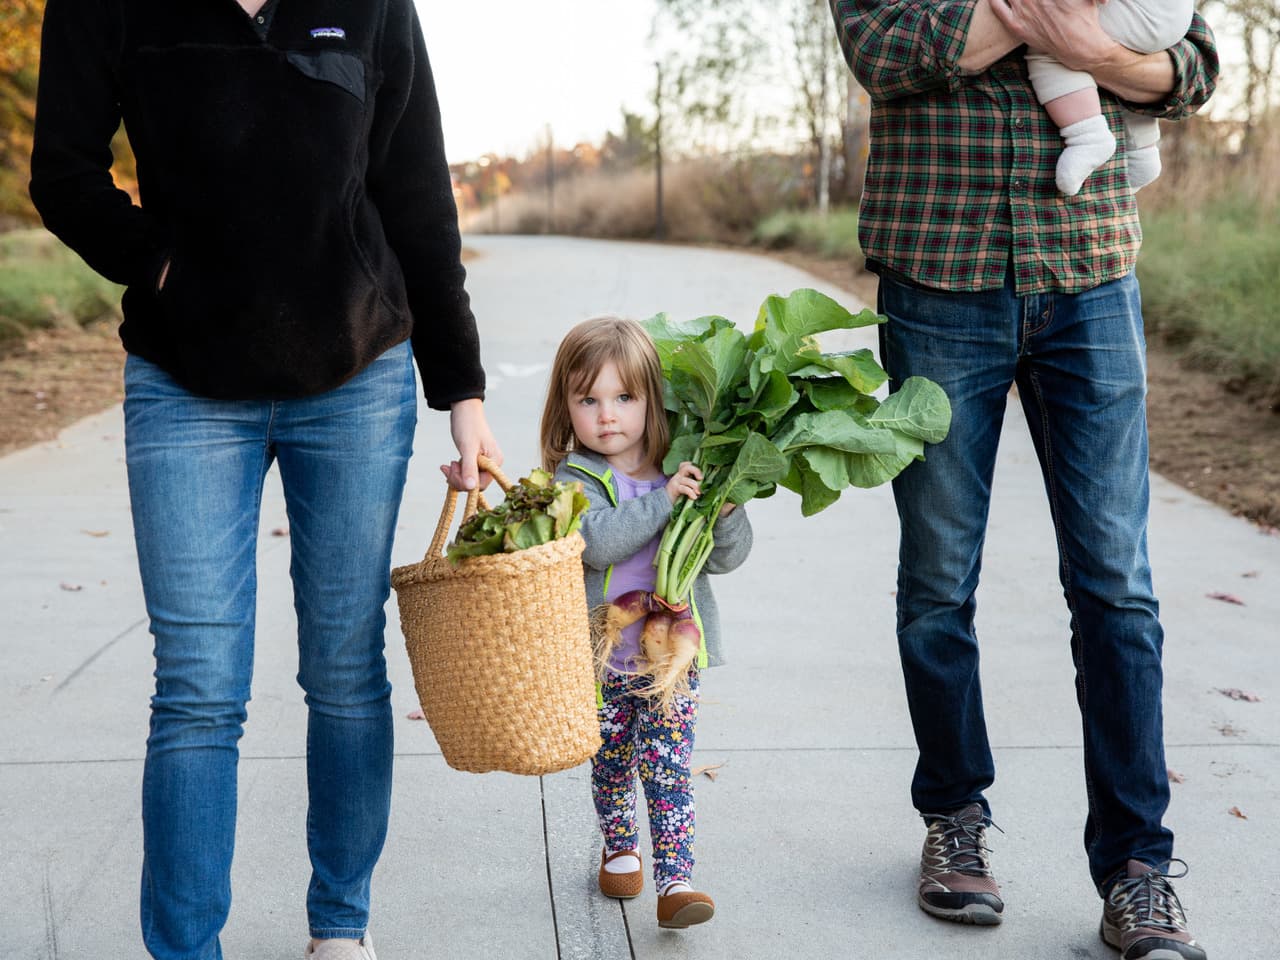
[674, 525]
[681, 550]
[693, 567]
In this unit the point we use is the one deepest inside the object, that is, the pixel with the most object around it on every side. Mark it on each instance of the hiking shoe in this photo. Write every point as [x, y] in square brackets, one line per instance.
[361, 949]
[955, 873]
[1143, 919]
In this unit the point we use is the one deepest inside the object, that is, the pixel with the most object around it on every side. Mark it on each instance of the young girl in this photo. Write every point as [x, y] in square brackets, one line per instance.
[604, 425]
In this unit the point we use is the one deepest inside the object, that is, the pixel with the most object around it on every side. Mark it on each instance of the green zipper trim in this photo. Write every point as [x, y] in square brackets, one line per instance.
[702, 634]
[606, 480]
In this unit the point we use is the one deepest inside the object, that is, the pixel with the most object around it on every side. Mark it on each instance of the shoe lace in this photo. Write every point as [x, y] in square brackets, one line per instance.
[1149, 901]
[959, 845]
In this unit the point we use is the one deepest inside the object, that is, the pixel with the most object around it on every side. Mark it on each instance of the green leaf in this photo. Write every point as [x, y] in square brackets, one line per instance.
[669, 334]
[475, 548]
[773, 400]
[857, 367]
[534, 532]
[919, 408]
[562, 509]
[683, 447]
[787, 327]
[872, 469]
[705, 374]
[833, 393]
[759, 462]
[807, 480]
[838, 429]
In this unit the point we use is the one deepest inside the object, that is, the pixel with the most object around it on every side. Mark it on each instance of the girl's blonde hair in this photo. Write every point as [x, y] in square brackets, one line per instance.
[583, 352]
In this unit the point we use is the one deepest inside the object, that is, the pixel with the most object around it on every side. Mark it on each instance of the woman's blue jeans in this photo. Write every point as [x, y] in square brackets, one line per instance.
[1079, 362]
[196, 471]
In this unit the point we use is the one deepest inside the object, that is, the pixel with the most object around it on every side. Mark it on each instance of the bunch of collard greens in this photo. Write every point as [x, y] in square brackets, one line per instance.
[536, 511]
[755, 412]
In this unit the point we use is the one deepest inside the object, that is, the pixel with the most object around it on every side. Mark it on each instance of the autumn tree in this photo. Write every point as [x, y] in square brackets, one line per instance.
[19, 57]
[19, 67]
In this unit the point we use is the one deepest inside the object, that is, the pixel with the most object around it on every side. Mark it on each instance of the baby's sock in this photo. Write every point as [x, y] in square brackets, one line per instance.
[1089, 144]
[675, 886]
[622, 865]
[1144, 166]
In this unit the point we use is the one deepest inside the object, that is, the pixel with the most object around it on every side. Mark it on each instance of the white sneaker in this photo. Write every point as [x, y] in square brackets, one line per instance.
[342, 949]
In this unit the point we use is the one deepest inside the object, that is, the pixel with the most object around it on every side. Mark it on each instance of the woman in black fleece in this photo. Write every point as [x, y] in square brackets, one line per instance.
[295, 250]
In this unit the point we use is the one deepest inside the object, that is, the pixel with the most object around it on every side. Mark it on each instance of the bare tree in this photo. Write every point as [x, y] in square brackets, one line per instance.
[1256, 23]
[744, 72]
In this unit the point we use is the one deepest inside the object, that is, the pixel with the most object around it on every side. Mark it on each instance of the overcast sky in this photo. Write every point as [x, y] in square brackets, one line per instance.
[505, 70]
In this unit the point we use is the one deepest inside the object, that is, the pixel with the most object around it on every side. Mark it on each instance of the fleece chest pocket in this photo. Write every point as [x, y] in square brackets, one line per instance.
[343, 70]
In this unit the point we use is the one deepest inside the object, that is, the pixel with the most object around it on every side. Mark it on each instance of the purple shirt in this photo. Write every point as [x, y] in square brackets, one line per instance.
[634, 573]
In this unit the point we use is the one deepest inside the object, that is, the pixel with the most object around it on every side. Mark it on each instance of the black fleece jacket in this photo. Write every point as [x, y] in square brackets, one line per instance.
[295, 182]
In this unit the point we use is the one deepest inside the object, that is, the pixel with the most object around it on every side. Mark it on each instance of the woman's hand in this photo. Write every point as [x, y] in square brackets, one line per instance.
[684, 483]
[472, 437]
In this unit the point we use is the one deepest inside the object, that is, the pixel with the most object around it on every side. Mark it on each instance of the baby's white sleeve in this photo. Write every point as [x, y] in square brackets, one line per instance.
[1147, 26]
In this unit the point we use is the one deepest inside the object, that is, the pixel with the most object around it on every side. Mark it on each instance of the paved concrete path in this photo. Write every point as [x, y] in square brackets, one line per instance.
[807, 838]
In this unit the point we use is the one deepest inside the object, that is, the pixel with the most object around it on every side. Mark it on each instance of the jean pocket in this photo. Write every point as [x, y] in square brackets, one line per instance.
[344, 70]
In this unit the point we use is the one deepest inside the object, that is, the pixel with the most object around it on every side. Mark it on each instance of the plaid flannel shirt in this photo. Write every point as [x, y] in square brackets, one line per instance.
[960, 178]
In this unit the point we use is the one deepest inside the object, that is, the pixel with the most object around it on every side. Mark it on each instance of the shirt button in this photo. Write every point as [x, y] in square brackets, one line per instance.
[261, 19]
[1019, 123]
[1019, 185]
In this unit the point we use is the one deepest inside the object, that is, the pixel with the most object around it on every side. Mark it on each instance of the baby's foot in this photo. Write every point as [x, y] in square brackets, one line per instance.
[1144, 166]
[1089, 144]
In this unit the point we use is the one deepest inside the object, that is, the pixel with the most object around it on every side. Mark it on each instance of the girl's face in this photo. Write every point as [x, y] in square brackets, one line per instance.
[609, 420]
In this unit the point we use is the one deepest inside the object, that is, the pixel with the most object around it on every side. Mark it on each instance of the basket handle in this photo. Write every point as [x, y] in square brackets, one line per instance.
[475, 500]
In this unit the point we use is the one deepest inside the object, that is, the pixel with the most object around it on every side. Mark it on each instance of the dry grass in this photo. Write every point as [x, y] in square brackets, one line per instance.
[704, 201]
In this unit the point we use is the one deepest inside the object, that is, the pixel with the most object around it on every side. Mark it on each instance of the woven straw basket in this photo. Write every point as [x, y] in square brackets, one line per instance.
[501, 651]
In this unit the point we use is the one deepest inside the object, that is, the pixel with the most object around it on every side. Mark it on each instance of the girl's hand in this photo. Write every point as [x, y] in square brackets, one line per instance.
[684, 483]
[728, 508]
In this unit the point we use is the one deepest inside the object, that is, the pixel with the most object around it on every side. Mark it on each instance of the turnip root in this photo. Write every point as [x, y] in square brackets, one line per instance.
[670, 642]
[609, 620]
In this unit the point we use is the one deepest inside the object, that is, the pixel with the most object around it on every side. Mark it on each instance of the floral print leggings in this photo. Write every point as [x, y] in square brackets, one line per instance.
[640, 739]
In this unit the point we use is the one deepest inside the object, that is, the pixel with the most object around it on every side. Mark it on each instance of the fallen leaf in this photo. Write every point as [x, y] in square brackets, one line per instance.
[1175, 776]
[70, 587]
[1226, 598]
[96, 533]
[1227, 730]
[46, 678]
[1251, 575]
[280, 532]
[416, 714]
[708, 769]
[1235, 694]
[1237, 812]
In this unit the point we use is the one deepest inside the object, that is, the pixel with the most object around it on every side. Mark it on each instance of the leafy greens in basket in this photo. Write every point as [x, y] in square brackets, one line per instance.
[536, 511]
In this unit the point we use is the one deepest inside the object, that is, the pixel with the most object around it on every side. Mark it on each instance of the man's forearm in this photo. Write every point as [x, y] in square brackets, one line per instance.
[988, 40]
[1136, 77]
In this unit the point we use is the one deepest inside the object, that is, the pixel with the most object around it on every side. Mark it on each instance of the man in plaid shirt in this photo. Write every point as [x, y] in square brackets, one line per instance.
[990, 277]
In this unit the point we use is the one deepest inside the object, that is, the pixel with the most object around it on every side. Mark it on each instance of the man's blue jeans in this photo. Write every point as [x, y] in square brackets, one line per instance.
[1079, 362]
[196, 471]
